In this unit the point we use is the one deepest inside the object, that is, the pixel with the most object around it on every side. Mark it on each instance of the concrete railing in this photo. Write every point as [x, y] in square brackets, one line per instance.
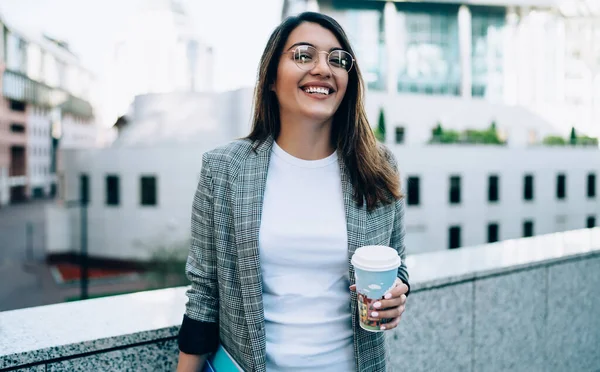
[520, 305]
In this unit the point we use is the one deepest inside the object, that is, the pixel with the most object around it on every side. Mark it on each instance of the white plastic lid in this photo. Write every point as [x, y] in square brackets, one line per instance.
[376, 258]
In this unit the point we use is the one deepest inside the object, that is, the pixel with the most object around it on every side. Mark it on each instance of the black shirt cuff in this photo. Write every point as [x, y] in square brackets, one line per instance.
[197, 337]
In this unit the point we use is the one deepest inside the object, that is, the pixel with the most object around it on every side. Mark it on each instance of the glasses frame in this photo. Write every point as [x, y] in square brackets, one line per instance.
[333, 69]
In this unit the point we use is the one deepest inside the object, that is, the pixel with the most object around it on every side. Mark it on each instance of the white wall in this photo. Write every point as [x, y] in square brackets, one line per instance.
[114, 231]
[78, 133]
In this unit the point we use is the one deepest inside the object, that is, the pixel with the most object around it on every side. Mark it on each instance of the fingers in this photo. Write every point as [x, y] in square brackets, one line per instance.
[353, 287]
[392, 313]
[393, 324]
[393, 302]
[399, 289]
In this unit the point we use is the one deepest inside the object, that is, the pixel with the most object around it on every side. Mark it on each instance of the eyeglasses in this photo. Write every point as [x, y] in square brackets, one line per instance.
[307, 57]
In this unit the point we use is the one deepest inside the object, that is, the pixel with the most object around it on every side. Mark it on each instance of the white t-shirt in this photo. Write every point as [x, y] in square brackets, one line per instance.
[304, 260]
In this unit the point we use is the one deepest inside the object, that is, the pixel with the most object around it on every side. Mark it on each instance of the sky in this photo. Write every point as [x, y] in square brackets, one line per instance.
[232, 28]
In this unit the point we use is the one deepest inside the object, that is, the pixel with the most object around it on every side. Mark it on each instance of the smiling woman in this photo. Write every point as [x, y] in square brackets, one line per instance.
[277, 215]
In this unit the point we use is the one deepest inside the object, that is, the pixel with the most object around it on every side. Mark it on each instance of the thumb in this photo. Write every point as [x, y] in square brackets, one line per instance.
[353, 287]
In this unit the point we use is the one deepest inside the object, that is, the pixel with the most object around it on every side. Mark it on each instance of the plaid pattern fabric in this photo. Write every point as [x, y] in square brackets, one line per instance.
[223, 264]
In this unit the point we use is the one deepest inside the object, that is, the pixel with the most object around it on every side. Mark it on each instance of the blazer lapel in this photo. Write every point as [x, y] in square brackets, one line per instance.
[356, 217]
[248, 201]
[356, 222]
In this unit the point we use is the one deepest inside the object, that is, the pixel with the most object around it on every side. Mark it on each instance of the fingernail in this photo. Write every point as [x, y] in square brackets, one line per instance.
[377, 304]
[388, 296]
[374, 314]
[383, 328]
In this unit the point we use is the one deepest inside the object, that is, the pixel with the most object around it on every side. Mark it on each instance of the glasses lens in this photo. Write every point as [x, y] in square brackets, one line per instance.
[340, 59]
[305, 56]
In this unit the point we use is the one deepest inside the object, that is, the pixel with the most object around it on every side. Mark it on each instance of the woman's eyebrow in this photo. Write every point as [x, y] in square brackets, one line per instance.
[301, 43]
[309, 44]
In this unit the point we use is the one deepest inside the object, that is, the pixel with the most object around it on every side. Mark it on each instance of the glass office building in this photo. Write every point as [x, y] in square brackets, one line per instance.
[364, 24]
[487, 51]
[429, 52]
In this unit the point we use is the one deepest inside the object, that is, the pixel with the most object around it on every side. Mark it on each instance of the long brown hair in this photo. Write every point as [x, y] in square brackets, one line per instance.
[374, 179]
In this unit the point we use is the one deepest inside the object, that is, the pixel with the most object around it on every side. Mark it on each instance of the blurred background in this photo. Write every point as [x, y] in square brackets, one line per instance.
[492, 108]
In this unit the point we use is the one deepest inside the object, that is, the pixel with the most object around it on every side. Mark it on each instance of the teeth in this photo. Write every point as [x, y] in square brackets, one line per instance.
[320, 90]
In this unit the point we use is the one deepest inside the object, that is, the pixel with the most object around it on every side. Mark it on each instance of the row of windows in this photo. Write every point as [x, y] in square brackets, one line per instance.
[41, 132]
[40, 151]
[40, 170]
[454, 192]
[18, 106]
[148, 190]
[17, 128]
[20, 128]
[493, 231]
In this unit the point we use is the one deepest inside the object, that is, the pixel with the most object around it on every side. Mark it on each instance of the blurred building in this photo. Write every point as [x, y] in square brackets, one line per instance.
[529, 53]
[467, 69]
[157, 52]
[140, 189]
[44, 106]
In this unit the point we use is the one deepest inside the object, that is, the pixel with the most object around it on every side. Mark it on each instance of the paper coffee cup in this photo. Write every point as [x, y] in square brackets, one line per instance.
[375, 270]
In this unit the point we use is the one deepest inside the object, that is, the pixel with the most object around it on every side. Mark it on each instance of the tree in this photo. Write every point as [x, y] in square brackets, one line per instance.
[573, 136]
[554, 141]
[380, 131]
[436, 133]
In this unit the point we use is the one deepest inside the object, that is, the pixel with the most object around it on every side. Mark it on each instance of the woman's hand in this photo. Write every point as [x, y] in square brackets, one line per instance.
[392, 306]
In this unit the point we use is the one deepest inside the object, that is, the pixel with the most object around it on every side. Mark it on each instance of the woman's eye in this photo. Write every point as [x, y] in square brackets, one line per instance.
[304, 57]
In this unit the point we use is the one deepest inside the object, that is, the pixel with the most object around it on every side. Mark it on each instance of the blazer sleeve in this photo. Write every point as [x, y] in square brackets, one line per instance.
[199, 332]
[398, 229]
[397, 241]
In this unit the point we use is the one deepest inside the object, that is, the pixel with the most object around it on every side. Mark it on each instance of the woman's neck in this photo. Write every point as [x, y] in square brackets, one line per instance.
[308, 142]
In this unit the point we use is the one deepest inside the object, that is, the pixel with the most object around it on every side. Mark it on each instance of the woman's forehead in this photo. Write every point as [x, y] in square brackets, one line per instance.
[313, 34]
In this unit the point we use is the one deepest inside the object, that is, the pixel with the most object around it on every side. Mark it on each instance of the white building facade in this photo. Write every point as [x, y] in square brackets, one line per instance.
[464, 67]
[140, 190]
[452, 197]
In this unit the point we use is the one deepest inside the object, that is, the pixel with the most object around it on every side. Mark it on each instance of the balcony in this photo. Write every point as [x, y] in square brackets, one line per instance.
[519, 305]
[19, 87]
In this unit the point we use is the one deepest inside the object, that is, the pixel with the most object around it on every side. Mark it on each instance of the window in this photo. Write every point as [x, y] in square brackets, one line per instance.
[454, 190]
[528, 187]
[399, 134]
[17, 128]
[487, 52]
[84, 188]
[493, 194]
[591, 185]
[561, 187]
[429, 60]
[413, 191]
[148, 190]
[527, 229]
[492, 233]
[590, 222]
[454, 237]
[17, 105]
[112, 190]
[365, 27]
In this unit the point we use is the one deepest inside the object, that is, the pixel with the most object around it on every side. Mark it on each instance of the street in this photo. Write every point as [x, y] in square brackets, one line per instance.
[25, 279]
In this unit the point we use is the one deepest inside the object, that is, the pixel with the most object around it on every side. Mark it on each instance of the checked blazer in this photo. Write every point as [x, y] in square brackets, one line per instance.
[225, 298]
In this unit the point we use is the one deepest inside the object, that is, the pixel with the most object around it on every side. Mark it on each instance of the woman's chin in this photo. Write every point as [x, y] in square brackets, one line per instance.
[319, 115]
